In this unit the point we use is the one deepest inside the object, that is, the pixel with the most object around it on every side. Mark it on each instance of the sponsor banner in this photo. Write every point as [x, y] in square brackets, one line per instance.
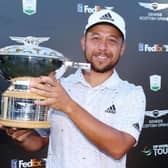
[29, 6]
[152, 48]
[156, 11]
[156, 150]
[84, 8]
[156, 119]
[32, 163]
[155, 82]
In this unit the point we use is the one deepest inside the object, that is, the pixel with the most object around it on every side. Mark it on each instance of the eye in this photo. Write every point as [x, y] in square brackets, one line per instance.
[112, 40]
[95, 37]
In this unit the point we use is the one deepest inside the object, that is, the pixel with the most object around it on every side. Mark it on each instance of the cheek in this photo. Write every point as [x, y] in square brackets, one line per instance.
[89, 48]
[115, 50]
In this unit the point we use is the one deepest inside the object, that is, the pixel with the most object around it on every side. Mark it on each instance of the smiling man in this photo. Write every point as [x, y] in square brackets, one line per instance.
[96, 117]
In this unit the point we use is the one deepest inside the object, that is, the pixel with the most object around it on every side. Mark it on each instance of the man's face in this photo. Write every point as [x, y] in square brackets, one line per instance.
[103, 45]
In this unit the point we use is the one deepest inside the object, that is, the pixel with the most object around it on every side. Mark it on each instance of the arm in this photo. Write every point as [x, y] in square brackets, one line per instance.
[114, 142]
[28, 139]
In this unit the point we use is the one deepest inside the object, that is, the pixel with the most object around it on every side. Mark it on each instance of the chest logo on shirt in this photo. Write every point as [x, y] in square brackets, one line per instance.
[136, 126]
[111, 109]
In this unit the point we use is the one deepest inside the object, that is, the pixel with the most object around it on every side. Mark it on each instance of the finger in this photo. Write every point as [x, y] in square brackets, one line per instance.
[45, 84]
[40, 91]
[52, 74]
[10, 131]
[34, 80]
[46, 102]
[49, 80]
[2, 127]
[20, 136]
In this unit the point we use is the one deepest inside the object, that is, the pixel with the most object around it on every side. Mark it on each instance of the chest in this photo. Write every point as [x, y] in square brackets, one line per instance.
[104, 104]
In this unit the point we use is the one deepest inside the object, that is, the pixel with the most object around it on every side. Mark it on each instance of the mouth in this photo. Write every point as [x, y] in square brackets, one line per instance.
[101, 58]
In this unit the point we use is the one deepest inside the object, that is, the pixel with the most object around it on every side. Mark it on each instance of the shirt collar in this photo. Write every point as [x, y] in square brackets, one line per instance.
[111, 82]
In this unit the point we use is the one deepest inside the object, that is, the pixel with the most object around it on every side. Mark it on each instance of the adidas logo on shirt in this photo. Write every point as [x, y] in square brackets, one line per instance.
[107, 16]
[111, 109]
[136, 126]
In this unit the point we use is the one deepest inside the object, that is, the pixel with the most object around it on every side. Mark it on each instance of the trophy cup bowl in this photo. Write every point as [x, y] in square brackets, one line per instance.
[19, 63]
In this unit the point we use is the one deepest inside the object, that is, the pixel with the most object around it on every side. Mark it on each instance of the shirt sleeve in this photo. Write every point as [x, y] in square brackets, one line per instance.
[132, 113]
[43, 132]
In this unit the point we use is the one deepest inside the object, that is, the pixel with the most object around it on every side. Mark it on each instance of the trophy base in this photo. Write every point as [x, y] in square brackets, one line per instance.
[18, 108]
[25, 124]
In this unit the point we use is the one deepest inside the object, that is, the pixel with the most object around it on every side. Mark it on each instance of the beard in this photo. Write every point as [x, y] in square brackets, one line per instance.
[104, 69]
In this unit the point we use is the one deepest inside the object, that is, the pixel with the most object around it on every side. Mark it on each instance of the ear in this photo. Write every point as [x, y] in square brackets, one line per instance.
[83, 43]
[123, 47]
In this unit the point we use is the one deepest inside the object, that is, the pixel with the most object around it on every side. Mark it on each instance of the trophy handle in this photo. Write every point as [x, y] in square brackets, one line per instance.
[5, 75]
[4, 83]
[60, 72]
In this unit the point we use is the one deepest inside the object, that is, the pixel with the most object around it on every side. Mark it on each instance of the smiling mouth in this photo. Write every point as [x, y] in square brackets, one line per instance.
[101, 58]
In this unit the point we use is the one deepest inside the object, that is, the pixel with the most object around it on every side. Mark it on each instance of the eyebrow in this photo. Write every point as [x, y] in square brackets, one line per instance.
[97, 33]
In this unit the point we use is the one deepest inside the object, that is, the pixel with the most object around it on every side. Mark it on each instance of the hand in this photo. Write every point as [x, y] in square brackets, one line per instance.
[17, 134]
[52, 90]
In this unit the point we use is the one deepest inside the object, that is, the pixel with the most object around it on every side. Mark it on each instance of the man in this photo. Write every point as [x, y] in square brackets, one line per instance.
[96, 117]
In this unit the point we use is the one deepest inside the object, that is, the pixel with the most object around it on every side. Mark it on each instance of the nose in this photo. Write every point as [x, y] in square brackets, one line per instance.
[102, 45]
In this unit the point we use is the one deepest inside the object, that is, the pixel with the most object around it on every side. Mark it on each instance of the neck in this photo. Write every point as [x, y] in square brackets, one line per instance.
[96, 78]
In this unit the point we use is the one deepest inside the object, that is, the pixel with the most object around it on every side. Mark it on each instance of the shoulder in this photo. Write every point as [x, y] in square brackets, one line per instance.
[132, 89]
[72, 78]
[125, 85]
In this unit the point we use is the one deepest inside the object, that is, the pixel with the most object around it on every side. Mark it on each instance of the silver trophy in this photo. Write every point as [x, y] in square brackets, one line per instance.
[18, 64]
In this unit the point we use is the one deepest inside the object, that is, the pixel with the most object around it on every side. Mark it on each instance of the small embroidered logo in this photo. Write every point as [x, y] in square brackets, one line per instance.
[107, 17]
[136, 126]
[111, 109]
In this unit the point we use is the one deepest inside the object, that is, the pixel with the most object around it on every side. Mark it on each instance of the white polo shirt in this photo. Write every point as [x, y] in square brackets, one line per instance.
[117, 103]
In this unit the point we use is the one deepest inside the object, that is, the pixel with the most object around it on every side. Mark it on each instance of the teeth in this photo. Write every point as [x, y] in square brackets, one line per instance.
[102, 57]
